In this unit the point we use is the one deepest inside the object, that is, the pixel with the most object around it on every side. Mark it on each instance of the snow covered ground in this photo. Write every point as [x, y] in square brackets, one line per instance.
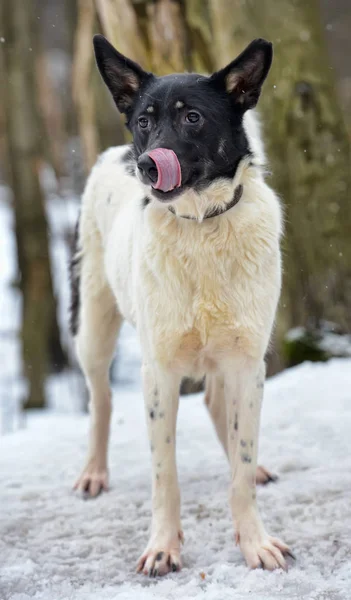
[55, 546]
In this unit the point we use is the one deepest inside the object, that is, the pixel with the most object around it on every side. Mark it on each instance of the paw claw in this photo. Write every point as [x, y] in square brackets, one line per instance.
[261, 550]
[155, 562]
[263, 476]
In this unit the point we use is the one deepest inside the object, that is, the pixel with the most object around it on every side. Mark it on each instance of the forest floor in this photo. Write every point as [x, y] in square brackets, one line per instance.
[55, 546]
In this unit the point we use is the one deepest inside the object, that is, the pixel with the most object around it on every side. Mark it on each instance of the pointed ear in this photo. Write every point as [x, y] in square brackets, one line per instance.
[242, 79]
[122, 76]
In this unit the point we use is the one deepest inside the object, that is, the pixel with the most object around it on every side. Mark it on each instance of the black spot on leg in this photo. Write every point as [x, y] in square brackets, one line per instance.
[152, 414]
[156, 400]
[168, 439]
[159, 555]
[157, 476]
[259, 383]
[109, 198]
[251, 444]
[236, 424]
[245, 458]
[152, 447]
[243, 444]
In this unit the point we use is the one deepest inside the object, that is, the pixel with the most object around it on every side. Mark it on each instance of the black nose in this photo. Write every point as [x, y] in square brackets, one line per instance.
[147, 169]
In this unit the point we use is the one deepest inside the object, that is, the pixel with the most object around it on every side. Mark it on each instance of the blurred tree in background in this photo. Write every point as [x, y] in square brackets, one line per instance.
[26, 145]
[306, 133]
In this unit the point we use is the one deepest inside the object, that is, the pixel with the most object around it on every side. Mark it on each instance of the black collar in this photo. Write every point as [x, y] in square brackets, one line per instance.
[215, 212]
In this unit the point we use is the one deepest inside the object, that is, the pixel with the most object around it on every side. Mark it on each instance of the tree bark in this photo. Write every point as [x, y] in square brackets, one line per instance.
[25, 151]
[120, 25]
[168, 39]
[81, 82]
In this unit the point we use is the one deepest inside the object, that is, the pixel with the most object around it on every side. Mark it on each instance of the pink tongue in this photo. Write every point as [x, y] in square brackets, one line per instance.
[168, 169]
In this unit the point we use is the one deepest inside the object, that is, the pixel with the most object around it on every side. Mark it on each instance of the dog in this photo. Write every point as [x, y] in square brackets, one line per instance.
[179, 234]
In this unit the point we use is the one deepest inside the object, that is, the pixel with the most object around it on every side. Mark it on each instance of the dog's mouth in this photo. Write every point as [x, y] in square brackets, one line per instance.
[166, 196]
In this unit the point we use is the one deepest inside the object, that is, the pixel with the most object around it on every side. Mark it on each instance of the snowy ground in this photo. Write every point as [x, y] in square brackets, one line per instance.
[55, 546]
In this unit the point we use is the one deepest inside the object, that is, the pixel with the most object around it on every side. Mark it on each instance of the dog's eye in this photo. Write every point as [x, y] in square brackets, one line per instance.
[192, 117]
[143, 122]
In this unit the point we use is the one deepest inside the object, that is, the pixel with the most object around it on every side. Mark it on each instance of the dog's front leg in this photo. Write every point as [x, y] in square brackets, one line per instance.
[244, 381]
[161, 394]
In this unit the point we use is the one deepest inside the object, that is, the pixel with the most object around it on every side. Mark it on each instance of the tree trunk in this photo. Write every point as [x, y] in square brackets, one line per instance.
[168, 39]
[81, 82]
[120, 25]
[25, 150]
[309, 150]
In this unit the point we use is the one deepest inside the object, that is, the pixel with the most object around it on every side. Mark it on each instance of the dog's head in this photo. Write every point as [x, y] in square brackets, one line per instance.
[187, 128]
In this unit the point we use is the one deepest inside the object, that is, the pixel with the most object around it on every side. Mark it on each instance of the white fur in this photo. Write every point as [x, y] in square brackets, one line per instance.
[202, 295]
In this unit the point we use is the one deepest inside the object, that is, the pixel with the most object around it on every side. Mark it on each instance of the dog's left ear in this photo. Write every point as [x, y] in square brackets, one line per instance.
[123, 76]
[244, 76]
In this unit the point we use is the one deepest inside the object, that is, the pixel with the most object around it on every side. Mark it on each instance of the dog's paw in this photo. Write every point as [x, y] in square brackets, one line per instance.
[160, 559]
[261, 550]
[263, 476]
[92, 481]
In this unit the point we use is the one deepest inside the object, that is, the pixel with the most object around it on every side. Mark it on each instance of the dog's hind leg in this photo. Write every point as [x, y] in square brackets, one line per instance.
[215, 402]
[96, 329]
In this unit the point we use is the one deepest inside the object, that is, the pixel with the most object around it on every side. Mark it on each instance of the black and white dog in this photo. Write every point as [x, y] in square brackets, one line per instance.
[179, 235]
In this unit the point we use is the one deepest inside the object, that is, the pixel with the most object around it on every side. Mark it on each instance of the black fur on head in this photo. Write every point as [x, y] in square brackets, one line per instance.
[200, 118]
